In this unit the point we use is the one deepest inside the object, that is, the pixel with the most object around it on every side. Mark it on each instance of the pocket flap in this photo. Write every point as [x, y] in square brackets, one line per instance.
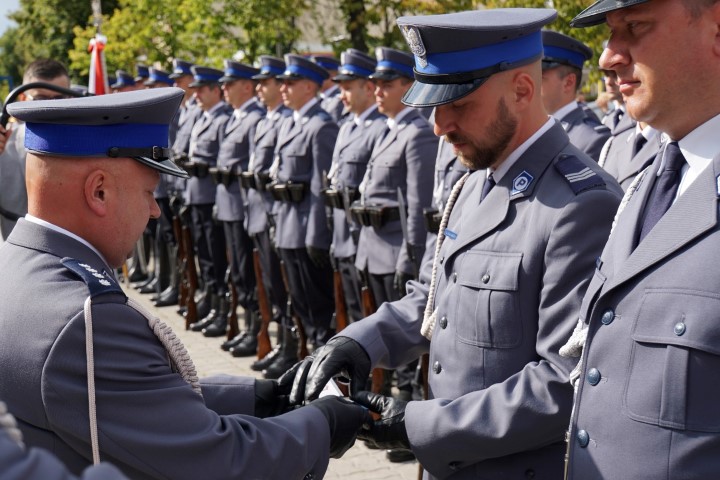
[686, 318]
[490, 270]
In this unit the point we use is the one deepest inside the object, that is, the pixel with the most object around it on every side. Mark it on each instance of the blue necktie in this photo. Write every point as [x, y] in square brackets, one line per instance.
[487, 186]
[665, 188]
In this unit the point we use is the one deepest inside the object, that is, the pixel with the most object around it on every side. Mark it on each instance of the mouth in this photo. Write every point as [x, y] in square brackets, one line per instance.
[627, 85]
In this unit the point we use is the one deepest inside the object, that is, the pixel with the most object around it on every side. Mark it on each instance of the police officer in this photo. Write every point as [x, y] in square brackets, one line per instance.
[647, 382]
[134, 399]
[517, 246]
[302, 153]
[233, 157]
[352, 151]
[200, 191]
[329, 91]
[142, 74]
[124, 82]
[562, 77]
[259, 205]
[631, 148]
[613, 117]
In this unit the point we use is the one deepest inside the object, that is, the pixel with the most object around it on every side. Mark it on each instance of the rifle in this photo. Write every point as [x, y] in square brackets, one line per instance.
[263, 336]
[180, 258]
[368, 308]
[341, 317]
[406, 235]
[290, 312]
[190, 277]
[232, 320]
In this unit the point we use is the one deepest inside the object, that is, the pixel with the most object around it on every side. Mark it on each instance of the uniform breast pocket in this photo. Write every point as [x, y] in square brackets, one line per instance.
[675, 360]
[295, 161]
[488, 303]
[390, 172]
[353, 169]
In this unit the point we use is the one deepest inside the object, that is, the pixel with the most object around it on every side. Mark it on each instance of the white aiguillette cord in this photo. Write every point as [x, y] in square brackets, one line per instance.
[178, 356]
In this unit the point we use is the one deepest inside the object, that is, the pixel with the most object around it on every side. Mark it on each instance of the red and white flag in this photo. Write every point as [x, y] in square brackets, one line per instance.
[98, 84]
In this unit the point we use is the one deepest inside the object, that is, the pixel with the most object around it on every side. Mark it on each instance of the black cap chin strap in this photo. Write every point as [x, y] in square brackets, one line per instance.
[153, 153]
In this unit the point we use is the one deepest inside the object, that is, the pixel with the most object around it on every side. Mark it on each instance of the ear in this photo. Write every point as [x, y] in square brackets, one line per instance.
[97, 191]
[715, 10]
[523, 89]
[568, 82]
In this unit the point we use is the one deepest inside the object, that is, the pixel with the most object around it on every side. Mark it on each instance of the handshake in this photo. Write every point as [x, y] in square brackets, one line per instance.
[347, 420]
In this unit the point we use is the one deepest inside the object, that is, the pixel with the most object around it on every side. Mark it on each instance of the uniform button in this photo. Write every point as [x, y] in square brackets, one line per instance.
[454, 277]
[442, 259]
[583, 438]
[608, 316]
[679, 328]
[529, 473]
[443, 322]
[486, 278]
[437, 368]
[593, 376]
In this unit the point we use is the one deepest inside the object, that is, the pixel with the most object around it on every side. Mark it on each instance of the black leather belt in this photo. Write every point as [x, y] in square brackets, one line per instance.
[222, 175]
[432, 219]
[255, 181]
[374, 215]
[288, 191]
[197, 169]
[335, 198]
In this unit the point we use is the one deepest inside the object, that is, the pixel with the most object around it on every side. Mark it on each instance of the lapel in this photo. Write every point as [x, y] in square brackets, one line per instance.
[644, 157]
[203, 124]
[625, 123]
[693, 214]
[297, 127]
[573, 118]
[493, 210]
[393, 133]
[234, 122]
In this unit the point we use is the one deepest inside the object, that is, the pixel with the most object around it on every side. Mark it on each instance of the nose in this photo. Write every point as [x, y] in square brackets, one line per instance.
[615, 55]
[444, 122]
[154, 209]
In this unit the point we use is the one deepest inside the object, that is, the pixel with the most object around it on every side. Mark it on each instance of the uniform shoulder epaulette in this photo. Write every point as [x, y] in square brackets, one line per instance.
[601, 128]
[578, 175]
[324, 116]
[99, 282]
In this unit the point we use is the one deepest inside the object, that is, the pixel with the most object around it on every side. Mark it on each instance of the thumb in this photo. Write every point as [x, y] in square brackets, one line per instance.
[372, 401]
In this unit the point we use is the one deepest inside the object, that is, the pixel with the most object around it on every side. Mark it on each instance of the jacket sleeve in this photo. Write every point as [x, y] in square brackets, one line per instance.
[531, 408]
[322, 146]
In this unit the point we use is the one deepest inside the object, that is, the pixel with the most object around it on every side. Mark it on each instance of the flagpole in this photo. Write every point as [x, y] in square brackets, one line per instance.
[98, 83]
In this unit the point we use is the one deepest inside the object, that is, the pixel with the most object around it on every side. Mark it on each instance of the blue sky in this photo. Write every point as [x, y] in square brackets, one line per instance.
[7, 6]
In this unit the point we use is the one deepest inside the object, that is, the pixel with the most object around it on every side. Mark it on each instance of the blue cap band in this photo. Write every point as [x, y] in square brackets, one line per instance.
[125, 82]
[269, 69]
[355, 70]
[231, 72]
[327, 65]
[387, 64]
[574, 58]
[305, 72]
[207, 78]
[155, 77]
[92, 140]
[509, 51]
[182, 71]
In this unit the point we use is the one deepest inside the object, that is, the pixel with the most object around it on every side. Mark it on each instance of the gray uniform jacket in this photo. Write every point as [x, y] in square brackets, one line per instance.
[305, 152]
[205, 139]
[13, 194]
[234, 155]
[333, 105]
[259, 203]
[188, 113]
[585, 132]
[151, 423]
[352, 152]
[511, 276]
[405, 159]
[647, 394]
[619, 160]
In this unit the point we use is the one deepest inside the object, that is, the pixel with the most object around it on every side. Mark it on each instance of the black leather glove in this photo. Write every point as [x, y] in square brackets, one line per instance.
[338, 355]
[272, 397]
[389, 432]
[345, 420]
[320, 257]
[399, 282]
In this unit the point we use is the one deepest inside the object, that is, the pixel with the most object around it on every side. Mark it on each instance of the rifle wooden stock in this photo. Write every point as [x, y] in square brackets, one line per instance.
[232, 320]
[189, 276]
[369, 307]
[263, 336]
[341, 317]
[299, 328]
[180, 258]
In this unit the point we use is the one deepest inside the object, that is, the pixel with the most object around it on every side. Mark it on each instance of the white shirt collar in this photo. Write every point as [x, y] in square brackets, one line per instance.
[244, 107]
[394, 122]
[517, 153]
[298, 114]
[561, 112]
[699, 147]
[214, 109]
[55, 228]
[359, 119]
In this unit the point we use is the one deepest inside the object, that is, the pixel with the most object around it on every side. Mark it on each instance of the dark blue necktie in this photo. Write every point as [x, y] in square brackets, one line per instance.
[638, 144]
[665, 188]
[487, 186]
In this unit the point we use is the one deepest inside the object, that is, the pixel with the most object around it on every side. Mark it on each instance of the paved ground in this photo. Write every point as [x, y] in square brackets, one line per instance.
[358, 463]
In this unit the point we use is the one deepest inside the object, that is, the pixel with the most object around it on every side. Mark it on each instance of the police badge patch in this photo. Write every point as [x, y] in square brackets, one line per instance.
[412, 36]
[521, 183]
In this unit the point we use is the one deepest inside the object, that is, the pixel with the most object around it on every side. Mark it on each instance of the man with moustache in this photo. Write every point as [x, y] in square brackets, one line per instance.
[647, 339]
[517, 246]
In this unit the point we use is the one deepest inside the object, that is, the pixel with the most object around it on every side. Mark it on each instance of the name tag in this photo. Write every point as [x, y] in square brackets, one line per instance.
[450, 234]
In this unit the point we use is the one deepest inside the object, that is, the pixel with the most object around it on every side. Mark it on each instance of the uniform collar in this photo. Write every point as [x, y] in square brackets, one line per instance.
[359, 119]
[562, 112]
[394, 122]
[298, 114]
[504, 167]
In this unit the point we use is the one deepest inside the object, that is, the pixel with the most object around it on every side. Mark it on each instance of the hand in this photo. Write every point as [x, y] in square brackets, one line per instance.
[389, 432]
[345, 419]
[319, 257]
[338, 355]
[272, 397]
[399, 282]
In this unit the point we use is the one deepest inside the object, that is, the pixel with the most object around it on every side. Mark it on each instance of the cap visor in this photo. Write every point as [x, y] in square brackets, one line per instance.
[163, 166]
[386, 75]
[178, 75]
[290, 77]
[344, 76]
[197, 84]
[431, 95]
[595, 13]
[263, 76]
[226, 79]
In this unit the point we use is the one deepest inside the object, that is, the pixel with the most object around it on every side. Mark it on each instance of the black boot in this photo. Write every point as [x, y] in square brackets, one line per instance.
[210, 317]
[203, 303]
[151, 286]
[287, 358]
[267, 360]
[170, 295]
[218, 326]
[228, 344]
[248, 346]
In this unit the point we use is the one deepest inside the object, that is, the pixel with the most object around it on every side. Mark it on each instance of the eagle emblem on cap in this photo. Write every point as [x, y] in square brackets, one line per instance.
[412, 36]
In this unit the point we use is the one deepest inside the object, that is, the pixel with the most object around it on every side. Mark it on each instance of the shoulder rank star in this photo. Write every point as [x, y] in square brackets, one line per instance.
[412, 35]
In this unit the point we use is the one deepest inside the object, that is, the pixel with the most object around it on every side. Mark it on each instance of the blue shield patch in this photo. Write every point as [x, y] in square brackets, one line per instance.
[521, 183]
